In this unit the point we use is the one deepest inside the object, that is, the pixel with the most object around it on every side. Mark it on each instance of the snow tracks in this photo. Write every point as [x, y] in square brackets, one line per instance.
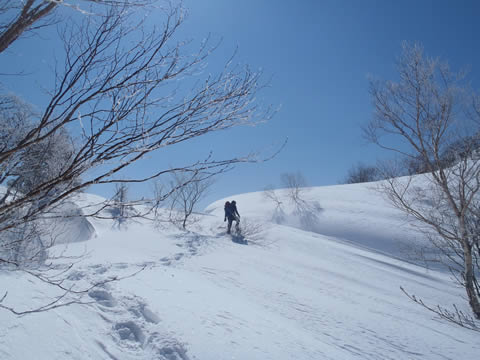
[137, 332]
[130, 329]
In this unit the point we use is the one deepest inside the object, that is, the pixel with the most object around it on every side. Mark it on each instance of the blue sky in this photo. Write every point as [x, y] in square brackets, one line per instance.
[318, 55]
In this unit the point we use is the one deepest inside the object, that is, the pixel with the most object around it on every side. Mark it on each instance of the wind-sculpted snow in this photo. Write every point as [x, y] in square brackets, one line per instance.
[28, 245]
[287, 293]
[69, 224]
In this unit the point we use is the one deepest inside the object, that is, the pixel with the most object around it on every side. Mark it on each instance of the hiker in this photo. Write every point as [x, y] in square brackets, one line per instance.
[231, 213]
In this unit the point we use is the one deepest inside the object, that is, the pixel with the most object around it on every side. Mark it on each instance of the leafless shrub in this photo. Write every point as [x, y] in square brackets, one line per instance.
[250, 232]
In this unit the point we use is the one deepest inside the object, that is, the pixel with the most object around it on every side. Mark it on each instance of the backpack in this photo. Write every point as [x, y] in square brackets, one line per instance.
[228, 208]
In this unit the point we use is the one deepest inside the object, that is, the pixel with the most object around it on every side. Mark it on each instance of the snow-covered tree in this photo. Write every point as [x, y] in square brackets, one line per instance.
[45, 161]
[125, 97]
[124, 88]
[39, 163]
[422, 117]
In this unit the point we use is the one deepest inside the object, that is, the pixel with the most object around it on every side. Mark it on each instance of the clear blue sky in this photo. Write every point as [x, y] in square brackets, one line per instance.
[319, 55]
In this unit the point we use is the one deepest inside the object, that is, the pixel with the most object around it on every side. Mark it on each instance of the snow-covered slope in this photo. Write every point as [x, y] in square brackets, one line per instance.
[326, 288]
[356, 213]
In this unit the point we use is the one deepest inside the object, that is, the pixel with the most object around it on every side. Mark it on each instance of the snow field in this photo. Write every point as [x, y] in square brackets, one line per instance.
[292, 293]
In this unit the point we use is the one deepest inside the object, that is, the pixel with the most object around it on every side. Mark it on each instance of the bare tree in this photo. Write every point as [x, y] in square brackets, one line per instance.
[125, 90]
[295, 184]
[110, 87]
[420, 117]
[306, 211]
[189, 189]
[121, 209]
[271, 194]
[361, 173]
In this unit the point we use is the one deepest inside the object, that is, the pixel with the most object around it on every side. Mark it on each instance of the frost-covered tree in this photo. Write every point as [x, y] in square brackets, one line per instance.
[425, 114]
[123, 98]
[45, 161]
[124, 87]
[40, 162]
[14, 125]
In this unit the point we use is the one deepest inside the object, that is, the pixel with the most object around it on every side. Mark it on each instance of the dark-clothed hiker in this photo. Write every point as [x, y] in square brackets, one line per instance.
[231, 213]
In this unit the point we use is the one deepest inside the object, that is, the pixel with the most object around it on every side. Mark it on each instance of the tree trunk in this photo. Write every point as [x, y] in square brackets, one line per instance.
[23, 23]
[470, 280]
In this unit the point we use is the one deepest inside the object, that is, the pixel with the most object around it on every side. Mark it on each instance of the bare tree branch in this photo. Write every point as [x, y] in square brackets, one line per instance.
[21, 17]
[457, 317]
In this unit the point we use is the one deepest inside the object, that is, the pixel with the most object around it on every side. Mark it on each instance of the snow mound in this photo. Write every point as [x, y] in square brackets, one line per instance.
[71, 225]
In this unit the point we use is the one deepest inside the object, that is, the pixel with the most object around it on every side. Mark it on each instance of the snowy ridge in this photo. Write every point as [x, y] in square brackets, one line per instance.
[326, 291]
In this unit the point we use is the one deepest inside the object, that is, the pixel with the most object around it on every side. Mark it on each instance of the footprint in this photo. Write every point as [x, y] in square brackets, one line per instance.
[102, 297]
[128, 330]
[166, 261]
[149, 315]
[76, 275]
[140, 310]
[100, 269]
[167, 349]
[121, 265]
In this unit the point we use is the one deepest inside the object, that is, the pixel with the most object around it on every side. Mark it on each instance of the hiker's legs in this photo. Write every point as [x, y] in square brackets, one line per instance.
[229, 225]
